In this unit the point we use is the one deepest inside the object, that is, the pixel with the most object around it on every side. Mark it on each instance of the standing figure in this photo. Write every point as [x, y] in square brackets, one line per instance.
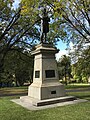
[44, 26]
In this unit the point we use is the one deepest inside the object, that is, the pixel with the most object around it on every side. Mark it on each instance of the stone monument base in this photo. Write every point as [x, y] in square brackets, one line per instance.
[46, 91]
[36, 102]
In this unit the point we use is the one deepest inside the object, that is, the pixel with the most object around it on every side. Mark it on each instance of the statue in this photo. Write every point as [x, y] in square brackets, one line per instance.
[44, 26]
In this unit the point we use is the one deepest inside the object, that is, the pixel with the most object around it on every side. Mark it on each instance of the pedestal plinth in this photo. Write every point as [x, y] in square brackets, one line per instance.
[45, 78]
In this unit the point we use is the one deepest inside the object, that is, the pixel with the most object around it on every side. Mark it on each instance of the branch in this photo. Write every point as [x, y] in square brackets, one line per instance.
[75, 27]
[11, 23]
[19, 51]
[85, 14]
[69, 21]
[80, 23]
[23, 33]
[86, 10]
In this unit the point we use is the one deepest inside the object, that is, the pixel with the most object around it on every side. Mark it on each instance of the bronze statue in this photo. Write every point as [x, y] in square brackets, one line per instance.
[44, 26]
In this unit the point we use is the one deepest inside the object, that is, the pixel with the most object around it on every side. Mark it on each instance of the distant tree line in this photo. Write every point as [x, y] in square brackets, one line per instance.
[20, 31]
[79, 71]
[17, 69]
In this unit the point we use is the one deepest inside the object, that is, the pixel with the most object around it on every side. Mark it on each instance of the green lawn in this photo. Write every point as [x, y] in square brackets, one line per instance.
[77, 86]
[80, 111]
[13, 90]
[24, 89]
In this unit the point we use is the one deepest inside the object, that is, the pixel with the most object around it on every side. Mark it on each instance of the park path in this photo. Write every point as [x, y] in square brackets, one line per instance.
[67, 90]
[16, 94]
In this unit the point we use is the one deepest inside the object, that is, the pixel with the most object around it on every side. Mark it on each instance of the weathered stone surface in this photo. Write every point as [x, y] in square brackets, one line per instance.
[45, 78]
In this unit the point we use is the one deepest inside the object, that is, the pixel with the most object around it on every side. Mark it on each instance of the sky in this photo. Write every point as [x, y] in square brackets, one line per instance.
[62, 49]
[16, 3]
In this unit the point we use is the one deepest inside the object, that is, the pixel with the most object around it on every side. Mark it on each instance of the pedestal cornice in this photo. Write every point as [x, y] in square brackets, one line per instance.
[44, 48]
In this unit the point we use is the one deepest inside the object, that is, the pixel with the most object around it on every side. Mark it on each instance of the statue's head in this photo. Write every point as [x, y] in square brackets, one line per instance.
[44, 10]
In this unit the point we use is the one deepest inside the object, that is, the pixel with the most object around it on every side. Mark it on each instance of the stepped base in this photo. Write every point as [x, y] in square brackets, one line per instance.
[37, 102]
[33, 104]
[46, 91]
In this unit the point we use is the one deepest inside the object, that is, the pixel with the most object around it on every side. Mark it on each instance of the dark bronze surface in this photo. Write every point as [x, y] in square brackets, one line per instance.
[50, 73]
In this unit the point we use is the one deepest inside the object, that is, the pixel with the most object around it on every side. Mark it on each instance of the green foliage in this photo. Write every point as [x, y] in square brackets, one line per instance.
[18, 67]
[71, 19]
[15, 30]
[80, 70]
[64, 68]
[77, 19]
[22, 76]
[6, 79]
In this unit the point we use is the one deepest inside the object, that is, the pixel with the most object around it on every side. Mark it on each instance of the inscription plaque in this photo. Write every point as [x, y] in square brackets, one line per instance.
[37, 74]
[50, 73]
[53, 92]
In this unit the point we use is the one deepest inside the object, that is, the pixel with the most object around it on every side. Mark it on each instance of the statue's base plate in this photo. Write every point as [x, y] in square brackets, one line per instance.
[37, 102]
[34, 104]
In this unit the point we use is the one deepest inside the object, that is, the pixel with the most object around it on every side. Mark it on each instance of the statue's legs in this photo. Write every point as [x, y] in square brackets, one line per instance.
[41, 37]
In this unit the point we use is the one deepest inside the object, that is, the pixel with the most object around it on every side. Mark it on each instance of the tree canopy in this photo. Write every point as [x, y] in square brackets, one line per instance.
[71, 18]
[64, 68]
[80, 69]
[15, 30]
[20, 27]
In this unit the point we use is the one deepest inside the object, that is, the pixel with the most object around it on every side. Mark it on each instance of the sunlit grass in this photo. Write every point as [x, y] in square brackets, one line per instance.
[77, 85]
[13, 90]
[12, 111]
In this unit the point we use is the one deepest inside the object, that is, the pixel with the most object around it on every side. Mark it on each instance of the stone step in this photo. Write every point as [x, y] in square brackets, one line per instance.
[37, 102]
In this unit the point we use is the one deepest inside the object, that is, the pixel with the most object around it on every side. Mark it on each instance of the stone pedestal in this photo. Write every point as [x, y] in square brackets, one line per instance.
[46, 83]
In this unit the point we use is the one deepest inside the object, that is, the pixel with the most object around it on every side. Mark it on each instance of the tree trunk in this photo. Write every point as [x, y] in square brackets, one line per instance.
[65, 78]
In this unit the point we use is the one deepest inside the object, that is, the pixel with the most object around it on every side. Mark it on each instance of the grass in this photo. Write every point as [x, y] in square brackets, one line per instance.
[13, 90]
[77, 86]
[24, 89]
[82, 95]
[12, 111]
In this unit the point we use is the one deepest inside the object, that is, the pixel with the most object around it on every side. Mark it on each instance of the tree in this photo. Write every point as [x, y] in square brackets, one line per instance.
[35, 7]
[80, 69]
[15, 30]
[64, 66]
[18, 67]
[76, 14]
[71, 18]
[19, 27]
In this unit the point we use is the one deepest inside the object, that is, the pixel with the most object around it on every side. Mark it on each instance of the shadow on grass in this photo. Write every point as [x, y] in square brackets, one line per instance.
[87, 97]
[13, 91]
[17, 94]
[81, 95]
